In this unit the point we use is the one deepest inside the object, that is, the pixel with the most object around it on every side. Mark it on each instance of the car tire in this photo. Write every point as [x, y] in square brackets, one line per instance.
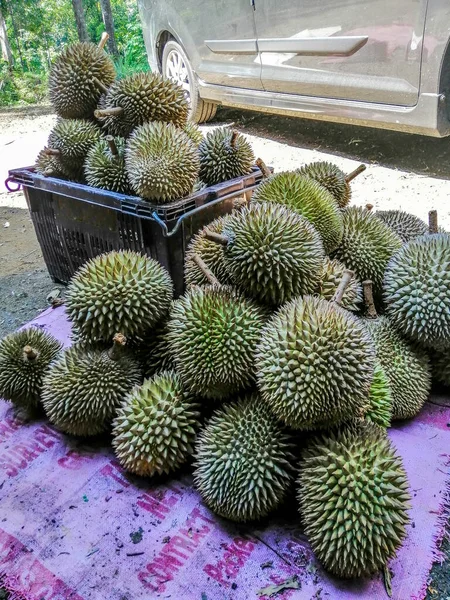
[175, 65]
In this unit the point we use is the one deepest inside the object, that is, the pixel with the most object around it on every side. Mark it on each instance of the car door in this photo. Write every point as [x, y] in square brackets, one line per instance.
[365, 50]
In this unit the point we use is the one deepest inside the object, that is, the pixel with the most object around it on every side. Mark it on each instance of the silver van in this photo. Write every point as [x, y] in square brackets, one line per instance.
[379, 63]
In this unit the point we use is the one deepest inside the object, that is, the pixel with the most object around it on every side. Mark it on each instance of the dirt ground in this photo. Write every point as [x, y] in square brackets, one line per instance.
[404, 171]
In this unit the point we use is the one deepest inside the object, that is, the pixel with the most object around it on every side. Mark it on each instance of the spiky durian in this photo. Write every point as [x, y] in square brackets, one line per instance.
[416, 285]
[332, 179]
[118, 291]
[213, 333]
[224, 154]
[78, 78]
[153, 350]
[193, 132]
[162, 162]
[139, 99]
[272, 252]
[209, 252]
[105, 165]
[49, 165]
[331, 275]
[155, 427]
[308, 198]
[243, 461]
[367, 245]
[440, 367]
[25, 357]
[354, 499]
[405, 225]
[380, 399]
[84, 387]
[314, 364]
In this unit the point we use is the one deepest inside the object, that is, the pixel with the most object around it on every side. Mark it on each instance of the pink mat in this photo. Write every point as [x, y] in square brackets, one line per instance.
[73, 526]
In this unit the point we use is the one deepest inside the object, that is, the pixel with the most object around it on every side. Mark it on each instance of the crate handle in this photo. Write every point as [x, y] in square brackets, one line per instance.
[8, 182]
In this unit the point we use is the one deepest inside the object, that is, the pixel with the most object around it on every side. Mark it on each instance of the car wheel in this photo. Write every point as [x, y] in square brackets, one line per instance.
[176, 66]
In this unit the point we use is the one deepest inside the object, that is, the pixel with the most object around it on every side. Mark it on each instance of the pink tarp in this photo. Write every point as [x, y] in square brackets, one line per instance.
[74, 526]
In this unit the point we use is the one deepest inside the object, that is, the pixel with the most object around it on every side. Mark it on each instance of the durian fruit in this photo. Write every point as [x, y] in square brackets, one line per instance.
[211, 254]
[271, 252]
[416, 285]
[139, 99]
[193, 132]
[78, 79]
[314, 364]
[331, 275]
[367, 245]
[118, 291]
[308, 198]
[213, 333]
[332, 179]
[84, 387]
[25, 357]
[105, 165]
[354, 499]
[162, 162]
[70, 141]
[242, 467]
[49, 165]
[224, 154]
[156, 426]
[406, 367]
[440, 366]
[380, 399]
[153, 350]
[405, 225]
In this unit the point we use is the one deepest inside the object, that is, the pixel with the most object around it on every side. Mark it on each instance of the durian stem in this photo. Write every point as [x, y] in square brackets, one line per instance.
[263, 168]
[30, 353]
[355, 173]
[234, 135]
[119, 341]
[339, 294]
[217, 238]
[369, 207]
[433, 221]
[101, 86]
[104, 39]
[371, 311]
[204, 269]
[112, 145]
[116, 111]
[52, 152]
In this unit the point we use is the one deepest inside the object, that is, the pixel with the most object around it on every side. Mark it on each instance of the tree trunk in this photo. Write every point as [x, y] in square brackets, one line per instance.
[109, 25]
[4, 42]
[80, 19]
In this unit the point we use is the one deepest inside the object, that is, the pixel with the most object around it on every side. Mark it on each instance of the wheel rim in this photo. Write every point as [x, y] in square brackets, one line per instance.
[176, 70]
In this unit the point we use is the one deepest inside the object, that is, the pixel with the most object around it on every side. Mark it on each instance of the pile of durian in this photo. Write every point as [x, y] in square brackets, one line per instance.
[132, 136]
[307, 327]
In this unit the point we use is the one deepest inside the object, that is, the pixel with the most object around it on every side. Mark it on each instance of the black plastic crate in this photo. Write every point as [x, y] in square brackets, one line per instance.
[75, 222]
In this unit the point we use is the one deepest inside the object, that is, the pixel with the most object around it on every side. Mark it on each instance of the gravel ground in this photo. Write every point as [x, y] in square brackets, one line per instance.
[404, 171]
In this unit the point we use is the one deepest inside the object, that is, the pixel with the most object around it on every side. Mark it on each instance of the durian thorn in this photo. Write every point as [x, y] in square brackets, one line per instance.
[103, 40]
[30, 353]
[116, 111]
[204, 269]
[371, 311]
[263, 168]
[112, 145]
[101, 86]
[233, 139]
[217, 238]
[119, 341]
[433, 221]
[52, 152]
[339, 294]
[355, 173]
[369, 207]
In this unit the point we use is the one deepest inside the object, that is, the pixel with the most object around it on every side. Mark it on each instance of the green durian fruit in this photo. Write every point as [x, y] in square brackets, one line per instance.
[141, 98]
[118, 291]
[153, 350]
[367, 245]
[332, 179]
[314, 364]
[309, 199]
[405, 225]
[213, 333]
[354, 499]
[49, 165]
[25, 357]
[193, 132]
[380, 399]
[211, 254]
[224, 154]
[77, 80]
[84, 387]
[331, 275]
[416, 285]
[162, 162]
[105, 166]
[243, 459]
[271, 252]
[440, 367]
[155, 427]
